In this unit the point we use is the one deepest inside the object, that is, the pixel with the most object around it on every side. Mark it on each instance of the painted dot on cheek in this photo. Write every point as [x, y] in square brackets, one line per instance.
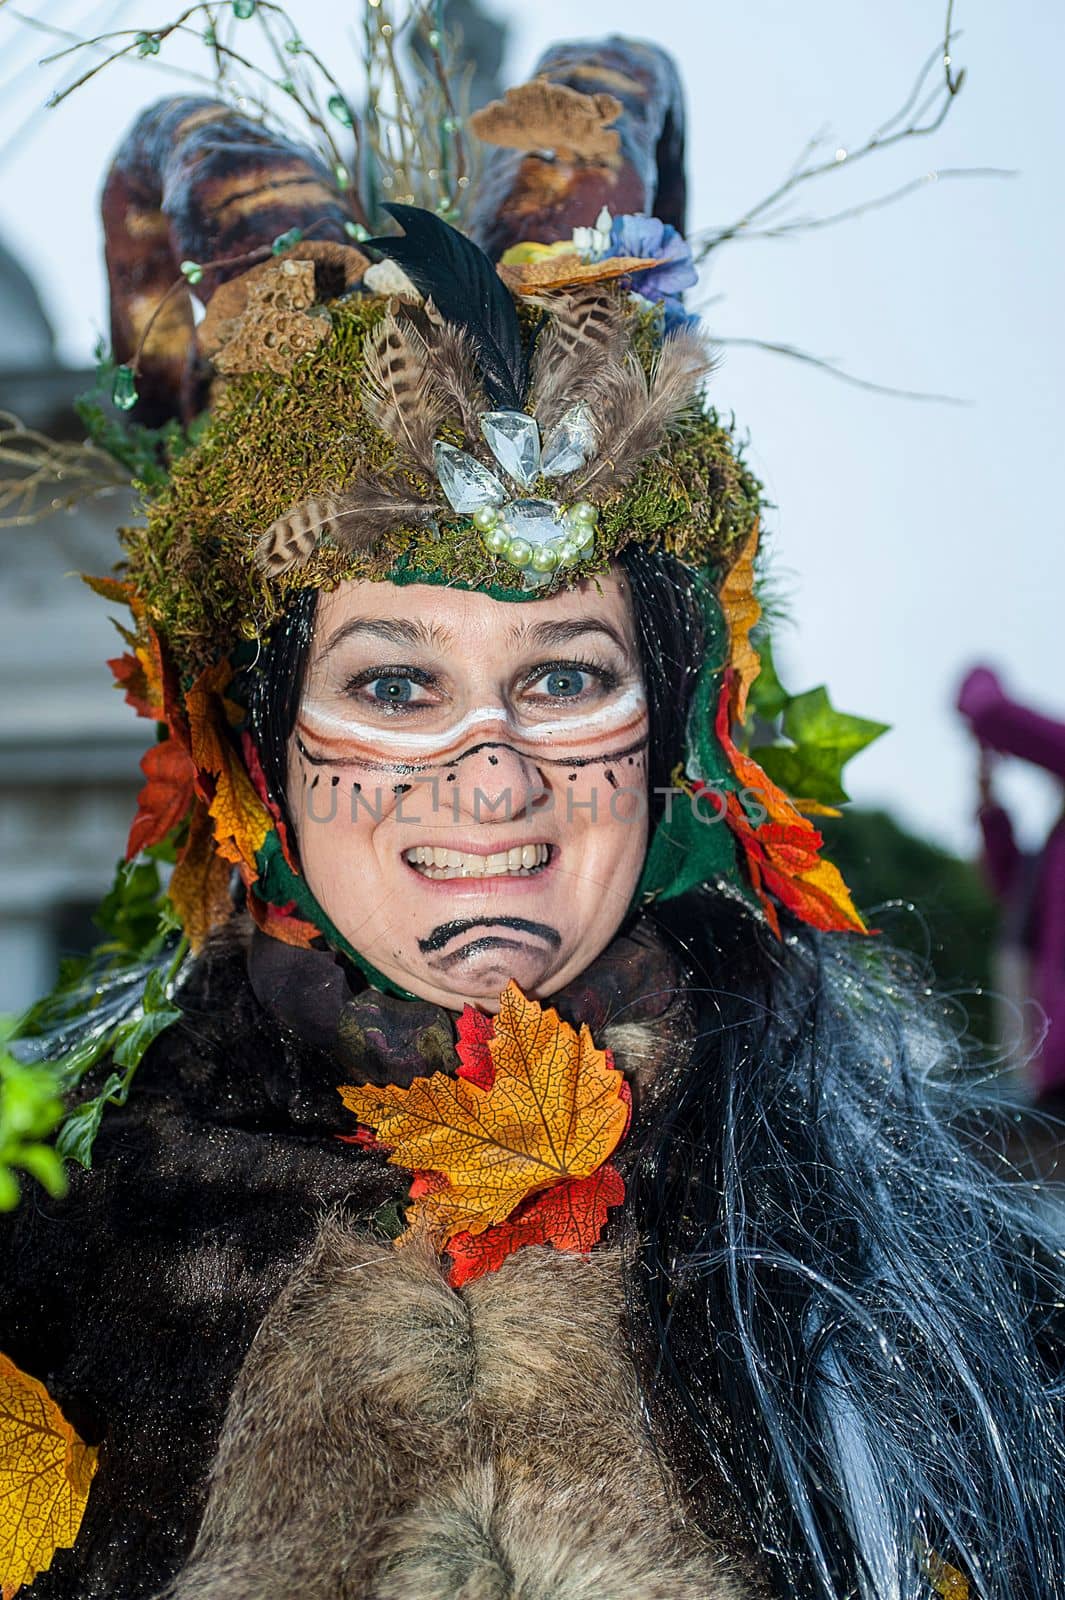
[402, 788]
[334, 780]
[572, 777]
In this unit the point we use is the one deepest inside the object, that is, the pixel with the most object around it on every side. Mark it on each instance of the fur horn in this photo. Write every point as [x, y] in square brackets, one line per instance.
[543, 193]
[171, 195]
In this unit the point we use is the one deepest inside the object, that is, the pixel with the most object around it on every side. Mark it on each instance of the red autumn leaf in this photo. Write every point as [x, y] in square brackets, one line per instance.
[475, 1028]
[281, 922]
[130, 676]
[166, 797]
[570, 1216]
[784, 854]
[365, 1138]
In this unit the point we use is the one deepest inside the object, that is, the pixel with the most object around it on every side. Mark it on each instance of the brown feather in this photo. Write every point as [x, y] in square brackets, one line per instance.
[632, 414]
[374, 507]
[290, 540]
[355, 519]
[397, 392]
[585, 331]
[453, 370]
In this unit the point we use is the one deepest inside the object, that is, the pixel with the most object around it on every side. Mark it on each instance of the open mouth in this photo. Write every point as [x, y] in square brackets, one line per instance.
[523, 861]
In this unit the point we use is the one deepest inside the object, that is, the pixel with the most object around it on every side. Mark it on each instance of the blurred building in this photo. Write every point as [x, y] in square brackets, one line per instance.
[69, 745]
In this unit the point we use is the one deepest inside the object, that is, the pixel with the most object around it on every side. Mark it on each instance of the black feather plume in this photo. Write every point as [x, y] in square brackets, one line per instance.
[465, 288]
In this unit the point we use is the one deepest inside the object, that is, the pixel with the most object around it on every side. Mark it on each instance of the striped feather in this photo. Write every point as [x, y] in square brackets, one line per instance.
[584, 332]
[633, 414]
[355, 519]
[398, 393]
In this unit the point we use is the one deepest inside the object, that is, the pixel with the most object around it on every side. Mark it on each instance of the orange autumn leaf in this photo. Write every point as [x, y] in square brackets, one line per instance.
[554, 1112]
[118, 590]
[550, 272]
[570, 1216]
[282, 924]
[165, 798]
[45, 1473]
[241, 820]
[131, 677]
[783, 854]
[741, 608]
[199, 884]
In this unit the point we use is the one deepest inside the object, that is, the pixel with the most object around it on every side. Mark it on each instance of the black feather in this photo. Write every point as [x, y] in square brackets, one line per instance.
[462, 283]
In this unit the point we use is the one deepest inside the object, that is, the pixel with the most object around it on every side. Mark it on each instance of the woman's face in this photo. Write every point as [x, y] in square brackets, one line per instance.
[467, 778]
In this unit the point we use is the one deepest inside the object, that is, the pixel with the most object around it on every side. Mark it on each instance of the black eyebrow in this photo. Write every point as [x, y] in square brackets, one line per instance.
[539, 635]
[396, 630]
[543, 634]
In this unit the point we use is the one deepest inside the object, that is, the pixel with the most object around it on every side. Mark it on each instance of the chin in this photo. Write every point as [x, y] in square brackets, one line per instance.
[479, 973]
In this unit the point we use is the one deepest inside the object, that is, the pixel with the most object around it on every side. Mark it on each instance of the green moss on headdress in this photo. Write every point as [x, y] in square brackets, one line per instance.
[273, 440]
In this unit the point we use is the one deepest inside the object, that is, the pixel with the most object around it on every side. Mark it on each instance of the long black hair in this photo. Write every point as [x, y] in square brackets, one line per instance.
[849, 1312]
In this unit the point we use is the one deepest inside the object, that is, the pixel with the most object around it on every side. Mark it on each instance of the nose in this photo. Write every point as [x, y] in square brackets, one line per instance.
[495, 782]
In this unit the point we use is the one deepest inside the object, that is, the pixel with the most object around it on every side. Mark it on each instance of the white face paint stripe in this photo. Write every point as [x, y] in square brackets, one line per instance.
[329, 726]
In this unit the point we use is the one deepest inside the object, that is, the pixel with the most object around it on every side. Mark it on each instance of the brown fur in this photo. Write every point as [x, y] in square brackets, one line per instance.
[392, 1439]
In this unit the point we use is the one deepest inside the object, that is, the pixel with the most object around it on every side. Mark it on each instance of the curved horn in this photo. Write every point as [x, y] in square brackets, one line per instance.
[542, 191]
[195, 180]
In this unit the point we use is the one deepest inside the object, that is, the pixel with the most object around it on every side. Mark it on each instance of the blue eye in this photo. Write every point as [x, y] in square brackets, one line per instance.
[394, 691]
[563, 683]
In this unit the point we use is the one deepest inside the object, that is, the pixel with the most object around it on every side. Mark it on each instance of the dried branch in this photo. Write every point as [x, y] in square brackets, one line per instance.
[916, 118]
[810, 224]
[834, 370]
[32, 466]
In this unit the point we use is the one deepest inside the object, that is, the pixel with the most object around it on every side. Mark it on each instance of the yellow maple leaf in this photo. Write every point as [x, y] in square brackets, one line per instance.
[741, 608]
[241, 820]
[45, 1472]
[553, 1111]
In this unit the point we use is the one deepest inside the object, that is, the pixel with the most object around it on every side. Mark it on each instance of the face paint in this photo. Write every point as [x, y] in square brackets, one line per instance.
[468, 782]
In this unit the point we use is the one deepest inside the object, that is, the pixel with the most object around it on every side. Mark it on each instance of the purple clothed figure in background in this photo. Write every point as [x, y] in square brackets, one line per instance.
[1031, 888]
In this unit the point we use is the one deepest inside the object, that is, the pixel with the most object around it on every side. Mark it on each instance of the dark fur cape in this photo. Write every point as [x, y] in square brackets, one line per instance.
[135, 1300]
[223, 1217]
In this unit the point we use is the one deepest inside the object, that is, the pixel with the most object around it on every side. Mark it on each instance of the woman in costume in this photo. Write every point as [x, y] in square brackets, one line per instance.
[636, 1255]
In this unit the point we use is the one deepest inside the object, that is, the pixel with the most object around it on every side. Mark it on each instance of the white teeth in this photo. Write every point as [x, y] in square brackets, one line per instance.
[436, 862]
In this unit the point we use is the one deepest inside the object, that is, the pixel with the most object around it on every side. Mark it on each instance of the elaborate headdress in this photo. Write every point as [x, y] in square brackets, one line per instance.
[506, 410]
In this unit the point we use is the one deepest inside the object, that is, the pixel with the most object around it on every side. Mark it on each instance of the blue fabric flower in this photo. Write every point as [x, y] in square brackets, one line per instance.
[645, 236]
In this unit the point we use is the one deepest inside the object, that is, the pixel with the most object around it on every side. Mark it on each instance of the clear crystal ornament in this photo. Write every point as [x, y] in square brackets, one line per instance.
[538, 523]
[570, 444]
[466, 483]
[514, 440]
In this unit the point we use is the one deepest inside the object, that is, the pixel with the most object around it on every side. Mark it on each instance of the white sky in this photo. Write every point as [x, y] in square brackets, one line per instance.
[911, 539]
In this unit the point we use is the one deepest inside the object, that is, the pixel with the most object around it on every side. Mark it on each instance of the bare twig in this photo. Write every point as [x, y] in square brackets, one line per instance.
[924, 116]
[32, 466]
[834, 370]
[810, 224]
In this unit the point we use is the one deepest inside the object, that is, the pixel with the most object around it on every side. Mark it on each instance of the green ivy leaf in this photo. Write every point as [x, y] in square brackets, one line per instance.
[78, 1133]
[133, 1038]
[106, 1007]
[30, 1109]
[129, 912]
[822, 741]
